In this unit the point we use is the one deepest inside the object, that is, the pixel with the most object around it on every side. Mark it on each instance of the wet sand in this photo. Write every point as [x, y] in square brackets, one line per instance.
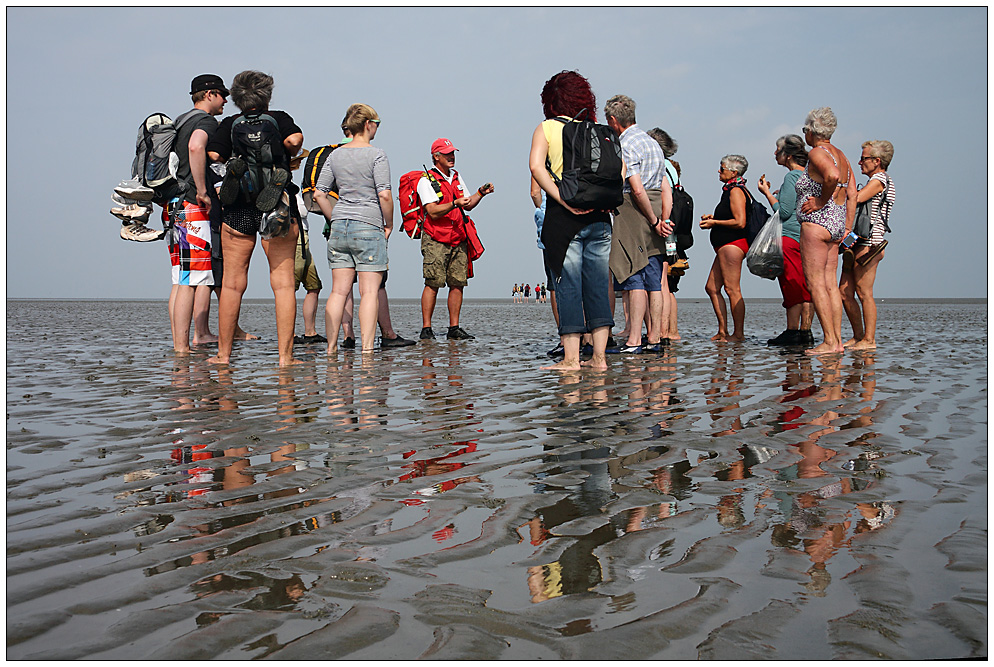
[453, 501]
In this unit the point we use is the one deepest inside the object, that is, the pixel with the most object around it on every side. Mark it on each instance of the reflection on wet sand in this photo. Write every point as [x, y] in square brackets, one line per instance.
[451, 501]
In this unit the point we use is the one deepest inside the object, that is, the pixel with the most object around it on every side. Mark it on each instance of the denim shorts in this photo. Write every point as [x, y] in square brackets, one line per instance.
[356, 245]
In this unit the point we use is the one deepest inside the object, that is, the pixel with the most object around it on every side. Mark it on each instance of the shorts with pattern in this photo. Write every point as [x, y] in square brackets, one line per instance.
[304, 270]
[189, 241]
[444, 264]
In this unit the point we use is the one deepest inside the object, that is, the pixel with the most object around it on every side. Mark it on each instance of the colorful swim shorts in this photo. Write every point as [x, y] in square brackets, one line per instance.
[189, 240]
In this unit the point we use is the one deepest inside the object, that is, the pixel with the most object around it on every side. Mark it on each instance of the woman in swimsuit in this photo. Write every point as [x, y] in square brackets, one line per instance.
[826, 198]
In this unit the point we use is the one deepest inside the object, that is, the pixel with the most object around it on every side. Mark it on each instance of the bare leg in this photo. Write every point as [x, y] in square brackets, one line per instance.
[180, 315]
[673, 333]
[807, 315]
[281, 252]
[571, 358]
[310, 309]
[201, 316]
[865, 277]
[637, 302]
[713, 288]
[369, 287]
[658, 305]
[383, 314]
[454, 302]
[731, 257]
[334, 307]
[794, 317]
[237, 253]
[347, 316]
[663, 326]
[626, 307]
[847, 287]
[598, 362]
[819, 259]
[428, 298]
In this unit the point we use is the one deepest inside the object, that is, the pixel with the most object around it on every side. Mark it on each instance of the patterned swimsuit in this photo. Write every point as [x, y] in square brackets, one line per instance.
[833, 216]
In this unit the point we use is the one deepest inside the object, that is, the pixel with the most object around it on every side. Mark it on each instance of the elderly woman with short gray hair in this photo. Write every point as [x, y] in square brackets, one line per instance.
[728, 238]
[826, 207]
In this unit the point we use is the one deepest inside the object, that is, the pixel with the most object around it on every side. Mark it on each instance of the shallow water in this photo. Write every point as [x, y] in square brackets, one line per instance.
[452, 500]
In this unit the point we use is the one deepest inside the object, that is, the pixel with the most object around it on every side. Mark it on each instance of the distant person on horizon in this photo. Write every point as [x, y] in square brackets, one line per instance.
[444, 240]
[638, 251]
[858, 277]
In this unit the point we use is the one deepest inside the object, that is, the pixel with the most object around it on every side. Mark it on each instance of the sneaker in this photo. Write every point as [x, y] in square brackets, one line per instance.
[788, 337]
[557, 351]
[398, 341]
[348, 344]
[141, 233]
[457, 333]
[123, 201]
[427, 334]
[587, 349]
[805, 338]
[270, 195]
[231, 183]
[630, 349]
[300, 340]
[133, 189]
[680, 265]
[132, 213]
[316, 338]
[657, 347]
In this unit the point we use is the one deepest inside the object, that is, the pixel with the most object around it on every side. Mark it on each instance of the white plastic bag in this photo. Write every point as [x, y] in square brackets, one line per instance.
[765, 256]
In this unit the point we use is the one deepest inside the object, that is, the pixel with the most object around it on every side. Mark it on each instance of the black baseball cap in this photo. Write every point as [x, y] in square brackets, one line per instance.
[208, 82]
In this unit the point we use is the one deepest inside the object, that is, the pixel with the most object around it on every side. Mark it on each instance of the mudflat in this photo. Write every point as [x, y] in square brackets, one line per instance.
[451, 500]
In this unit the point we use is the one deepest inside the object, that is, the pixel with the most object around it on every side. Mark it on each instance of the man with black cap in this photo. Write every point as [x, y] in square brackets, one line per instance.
[444, 241]
[187, 215]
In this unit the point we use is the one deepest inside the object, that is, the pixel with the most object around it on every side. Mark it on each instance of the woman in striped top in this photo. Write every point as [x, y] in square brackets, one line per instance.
[857, 279]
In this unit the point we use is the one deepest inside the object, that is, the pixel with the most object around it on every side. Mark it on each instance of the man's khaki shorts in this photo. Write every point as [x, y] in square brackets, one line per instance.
[444, 264]
[304, 270]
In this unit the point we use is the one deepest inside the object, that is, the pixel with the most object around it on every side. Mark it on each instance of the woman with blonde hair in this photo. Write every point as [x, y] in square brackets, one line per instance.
[361, 222]
[826, 207]
[859, 274]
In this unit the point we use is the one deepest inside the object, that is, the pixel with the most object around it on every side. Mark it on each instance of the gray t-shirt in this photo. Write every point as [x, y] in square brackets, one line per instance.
[361, 173]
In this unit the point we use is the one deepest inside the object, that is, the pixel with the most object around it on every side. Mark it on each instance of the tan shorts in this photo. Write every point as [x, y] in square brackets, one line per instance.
[304, 270]
[444, 264]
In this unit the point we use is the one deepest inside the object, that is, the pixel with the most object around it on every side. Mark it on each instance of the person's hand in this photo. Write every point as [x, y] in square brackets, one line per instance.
[811, 205]
[662, 227]
[386, 233]
[577, 211]
[461, 202]
[486, 189]
[763, 185]
[204, 202]
[707, 221]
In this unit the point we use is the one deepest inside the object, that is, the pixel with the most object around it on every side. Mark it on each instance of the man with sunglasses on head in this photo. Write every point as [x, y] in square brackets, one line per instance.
[444, 243]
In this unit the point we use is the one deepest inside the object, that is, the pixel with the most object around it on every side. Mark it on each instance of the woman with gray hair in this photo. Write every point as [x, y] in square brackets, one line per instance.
[728, 238]
[859, 273]
[251, 92]
[826, 196]
[791, 153]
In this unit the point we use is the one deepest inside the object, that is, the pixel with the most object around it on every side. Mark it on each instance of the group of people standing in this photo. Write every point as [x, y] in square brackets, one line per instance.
[212, 228]
[590, 255]
[523, 293]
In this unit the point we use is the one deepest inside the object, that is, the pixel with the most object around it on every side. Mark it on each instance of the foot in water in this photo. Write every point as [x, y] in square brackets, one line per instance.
[206, 339]
[563, 366]
[595, 363]
[825, 348]
[218, 360]
[244, 335]
[864, 345]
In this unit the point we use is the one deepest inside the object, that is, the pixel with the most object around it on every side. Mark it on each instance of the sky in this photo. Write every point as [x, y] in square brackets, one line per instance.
[719, 80]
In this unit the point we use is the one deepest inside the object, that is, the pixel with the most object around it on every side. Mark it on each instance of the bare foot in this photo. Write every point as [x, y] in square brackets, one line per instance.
[595, 364]
[182, 353]
[290, 362]
[864, 345]
[369, 351]
[719, 337]
[333, 349]
[850, 343]
[736, 339]
[205, 340]
[563, 366]
[674, 336]
[824, 348]
[240, 334]
[218, 360]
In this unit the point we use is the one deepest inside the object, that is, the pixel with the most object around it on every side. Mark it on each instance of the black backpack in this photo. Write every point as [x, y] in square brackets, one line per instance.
[756, 216]
[682, 215]
[255, 137]
[155, 154]
[312, 169]
[592, 166]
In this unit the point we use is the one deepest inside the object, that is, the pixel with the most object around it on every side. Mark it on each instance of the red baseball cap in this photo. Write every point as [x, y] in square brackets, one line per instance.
[442, 146]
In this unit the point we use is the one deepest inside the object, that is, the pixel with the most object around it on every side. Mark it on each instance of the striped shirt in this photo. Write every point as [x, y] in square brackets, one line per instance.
[880, 206]
[643, 156]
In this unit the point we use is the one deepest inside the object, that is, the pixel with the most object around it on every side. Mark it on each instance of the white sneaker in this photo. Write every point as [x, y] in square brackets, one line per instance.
[133, 189]
[141, 233]
[123, 201]
[132, 213]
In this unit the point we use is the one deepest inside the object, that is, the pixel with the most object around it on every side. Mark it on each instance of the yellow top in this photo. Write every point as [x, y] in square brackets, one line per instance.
[553, 130]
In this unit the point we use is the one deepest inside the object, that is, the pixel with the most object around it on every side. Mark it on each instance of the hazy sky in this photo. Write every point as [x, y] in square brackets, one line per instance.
[79, 82]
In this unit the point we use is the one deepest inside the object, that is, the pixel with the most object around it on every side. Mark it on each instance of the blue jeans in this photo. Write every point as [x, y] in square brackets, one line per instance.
[583, 289]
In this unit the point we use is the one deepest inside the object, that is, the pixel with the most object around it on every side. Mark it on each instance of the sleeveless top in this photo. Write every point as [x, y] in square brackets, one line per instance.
[721, 235]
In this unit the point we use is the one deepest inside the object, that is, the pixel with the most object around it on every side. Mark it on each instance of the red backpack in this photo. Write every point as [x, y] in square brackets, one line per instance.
[412, 212]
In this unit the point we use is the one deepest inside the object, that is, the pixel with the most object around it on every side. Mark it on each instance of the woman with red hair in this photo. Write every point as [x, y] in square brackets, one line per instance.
[577, 243]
